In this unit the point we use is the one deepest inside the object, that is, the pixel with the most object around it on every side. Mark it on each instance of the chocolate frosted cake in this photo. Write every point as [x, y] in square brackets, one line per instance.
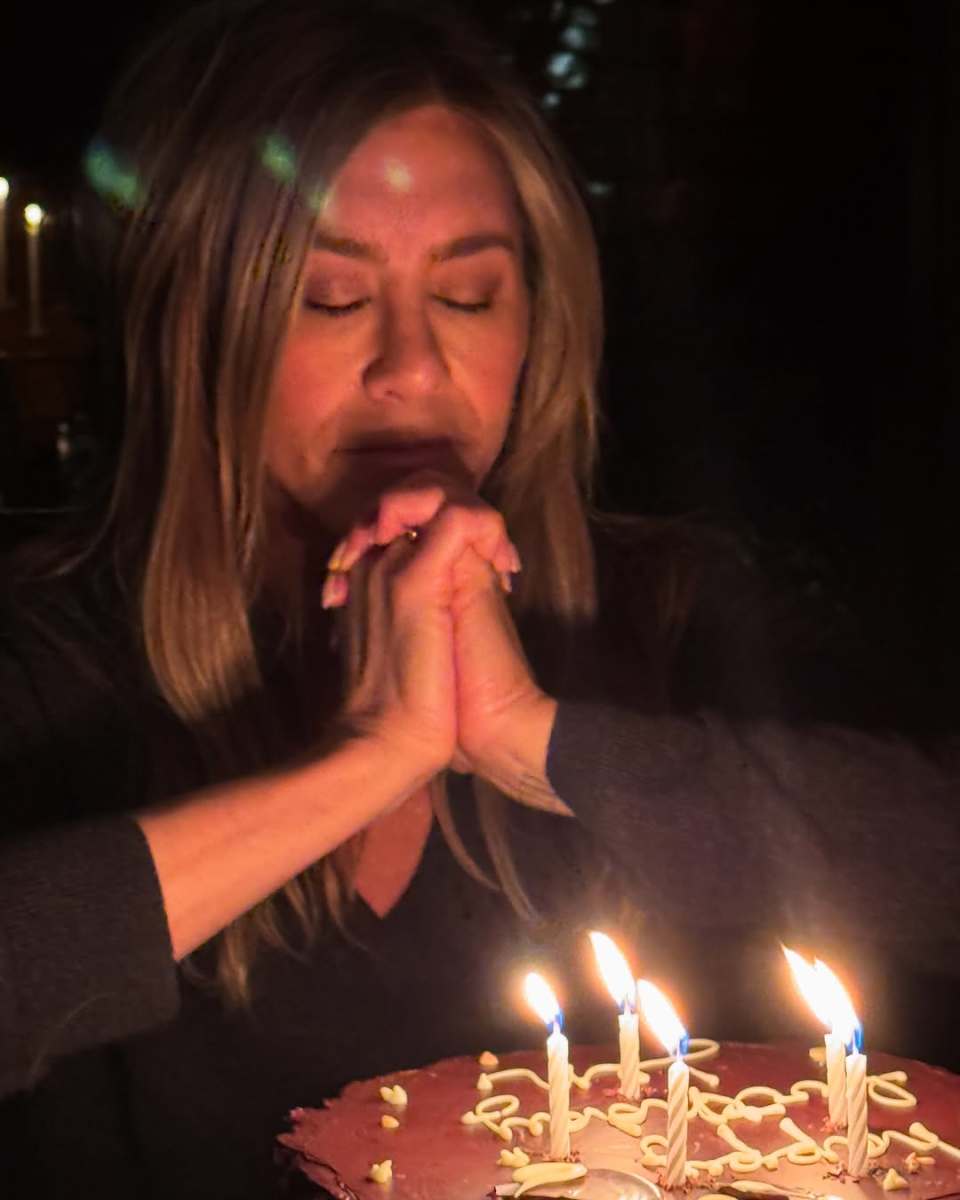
[465, 1129]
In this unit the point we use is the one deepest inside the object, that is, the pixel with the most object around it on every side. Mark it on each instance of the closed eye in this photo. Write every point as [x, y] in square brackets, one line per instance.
[335, 310]
[343, 310]
[476, 306]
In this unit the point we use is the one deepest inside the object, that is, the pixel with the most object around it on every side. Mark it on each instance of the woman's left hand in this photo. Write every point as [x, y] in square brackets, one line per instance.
[503, 718]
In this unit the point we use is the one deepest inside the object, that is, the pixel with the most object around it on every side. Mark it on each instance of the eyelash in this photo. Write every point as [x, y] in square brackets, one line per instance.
[344, 310]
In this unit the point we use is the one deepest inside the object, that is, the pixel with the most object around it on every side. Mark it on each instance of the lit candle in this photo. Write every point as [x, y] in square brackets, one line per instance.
[659, 1014]
[620, 983]
[824, 992]
[857, 1129]
[541, 999]
[33, 216]
[4, 281]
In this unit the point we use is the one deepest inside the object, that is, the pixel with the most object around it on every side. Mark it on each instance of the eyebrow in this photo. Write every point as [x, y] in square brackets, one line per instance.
[461, 247]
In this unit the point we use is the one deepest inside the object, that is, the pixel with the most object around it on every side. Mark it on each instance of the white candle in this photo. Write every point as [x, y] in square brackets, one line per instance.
[836, 1079]
[659, 1014]
[620, 983]
[4, 280]
[678, 1081]
[541, 999]
[630, 1055]
[856, 1113]
[33, 218]
[558, 1082]
[828, 998]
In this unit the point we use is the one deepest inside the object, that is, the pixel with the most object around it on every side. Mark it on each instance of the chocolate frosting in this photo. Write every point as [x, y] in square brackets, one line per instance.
[436, 1157]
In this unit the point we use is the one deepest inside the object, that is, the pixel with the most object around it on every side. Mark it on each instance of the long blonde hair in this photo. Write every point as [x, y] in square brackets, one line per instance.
[215, 152]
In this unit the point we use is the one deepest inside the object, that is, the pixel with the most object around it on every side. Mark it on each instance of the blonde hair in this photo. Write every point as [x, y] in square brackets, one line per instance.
[218, 145]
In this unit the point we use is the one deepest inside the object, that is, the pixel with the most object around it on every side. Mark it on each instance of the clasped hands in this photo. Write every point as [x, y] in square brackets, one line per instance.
[435, 669]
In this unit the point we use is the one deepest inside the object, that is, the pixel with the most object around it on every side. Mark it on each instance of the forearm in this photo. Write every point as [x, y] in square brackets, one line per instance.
[220, 851]
[785, 825]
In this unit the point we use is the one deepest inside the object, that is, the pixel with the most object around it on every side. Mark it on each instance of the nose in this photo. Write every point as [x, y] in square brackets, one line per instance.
[406, 363]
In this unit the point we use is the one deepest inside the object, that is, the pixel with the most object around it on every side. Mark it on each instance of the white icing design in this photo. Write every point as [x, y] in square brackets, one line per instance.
[500, 1114]
[381, 1172]
[546, 1173]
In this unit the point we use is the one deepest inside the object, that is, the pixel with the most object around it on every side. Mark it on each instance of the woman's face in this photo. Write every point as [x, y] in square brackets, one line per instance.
[406, 349]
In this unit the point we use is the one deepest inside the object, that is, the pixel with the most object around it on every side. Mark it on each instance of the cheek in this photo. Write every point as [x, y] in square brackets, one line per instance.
[497, 373]
[303, 392]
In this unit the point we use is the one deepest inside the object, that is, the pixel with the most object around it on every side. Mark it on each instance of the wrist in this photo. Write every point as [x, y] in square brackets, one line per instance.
[515, 759]
[402, 750]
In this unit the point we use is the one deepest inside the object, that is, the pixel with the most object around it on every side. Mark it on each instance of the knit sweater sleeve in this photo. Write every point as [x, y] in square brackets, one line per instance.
[767, 788]
[826, 828]
[85, 955]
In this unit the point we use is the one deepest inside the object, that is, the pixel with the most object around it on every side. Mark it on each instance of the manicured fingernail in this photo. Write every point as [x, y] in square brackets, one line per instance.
[516, 564]
[334, 591]
[506, 583]
[335, 561]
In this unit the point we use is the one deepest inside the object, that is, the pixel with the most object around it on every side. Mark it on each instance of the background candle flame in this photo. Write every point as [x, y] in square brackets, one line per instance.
[825, 994]
[660, 1015]
[33, 214]
[539, 995]
[615, 972]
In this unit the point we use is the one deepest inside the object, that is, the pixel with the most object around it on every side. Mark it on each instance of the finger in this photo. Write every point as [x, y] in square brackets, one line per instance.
[335, 591]
[407, 508]
[399, 510]
[354, 546]
[444, 541]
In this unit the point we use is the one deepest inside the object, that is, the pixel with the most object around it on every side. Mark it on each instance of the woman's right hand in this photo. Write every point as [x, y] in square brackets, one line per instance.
[399, 660]
[399, 608]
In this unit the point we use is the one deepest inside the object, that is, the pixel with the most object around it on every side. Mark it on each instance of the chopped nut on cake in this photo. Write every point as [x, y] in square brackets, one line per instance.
[488, 1061]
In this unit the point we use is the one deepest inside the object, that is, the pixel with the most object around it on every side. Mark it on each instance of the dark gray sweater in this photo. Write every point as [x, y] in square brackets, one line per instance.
[712, 818]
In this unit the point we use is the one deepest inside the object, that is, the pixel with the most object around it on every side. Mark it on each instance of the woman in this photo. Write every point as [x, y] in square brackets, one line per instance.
[361, 328]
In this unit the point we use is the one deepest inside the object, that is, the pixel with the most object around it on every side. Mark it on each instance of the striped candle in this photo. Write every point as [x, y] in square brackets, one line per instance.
[856, 1113]
[678, 1080]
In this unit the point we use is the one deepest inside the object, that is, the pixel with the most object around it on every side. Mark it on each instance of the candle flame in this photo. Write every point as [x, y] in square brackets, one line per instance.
[33, 214]
[615, 972]
[539, 995]
[660, 1015]
[825, 994]
[4, 188]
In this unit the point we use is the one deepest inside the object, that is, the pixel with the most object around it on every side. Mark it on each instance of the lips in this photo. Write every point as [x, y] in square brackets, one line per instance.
[400, 451]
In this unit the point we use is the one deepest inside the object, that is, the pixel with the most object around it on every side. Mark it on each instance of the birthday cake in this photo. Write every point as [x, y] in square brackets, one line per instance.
[758, 1125]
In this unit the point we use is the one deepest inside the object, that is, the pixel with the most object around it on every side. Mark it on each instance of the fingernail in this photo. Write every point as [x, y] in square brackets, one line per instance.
[334, 591]
[506, 583]
[335, 561]
[516, 564]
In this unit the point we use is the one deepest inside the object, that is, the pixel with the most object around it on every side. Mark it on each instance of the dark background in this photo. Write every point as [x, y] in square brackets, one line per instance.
[774, 185]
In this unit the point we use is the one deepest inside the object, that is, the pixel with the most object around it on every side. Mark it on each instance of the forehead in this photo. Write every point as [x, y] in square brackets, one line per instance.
[429, 171]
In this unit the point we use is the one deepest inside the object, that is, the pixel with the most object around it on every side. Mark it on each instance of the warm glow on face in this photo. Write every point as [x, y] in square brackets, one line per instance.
[659, 1014]
[614, 970]
[4, 189]
[539, 995]
[33, 215]
[397, 175]
[824, 993]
